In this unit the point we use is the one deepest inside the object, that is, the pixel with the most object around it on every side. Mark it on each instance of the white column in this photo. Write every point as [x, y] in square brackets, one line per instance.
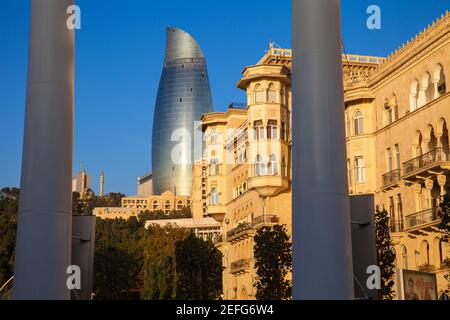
[43, 248]
[322, 252]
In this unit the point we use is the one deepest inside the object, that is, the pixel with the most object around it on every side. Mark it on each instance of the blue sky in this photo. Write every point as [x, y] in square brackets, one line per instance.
[119, 54]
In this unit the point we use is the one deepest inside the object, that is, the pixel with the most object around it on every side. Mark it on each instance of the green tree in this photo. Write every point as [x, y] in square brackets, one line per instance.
[118, 259]
[273, 262]
[444, 225]
[159, 270]
[184, 213]
[385, 254]
[9, 207]
[199, 269]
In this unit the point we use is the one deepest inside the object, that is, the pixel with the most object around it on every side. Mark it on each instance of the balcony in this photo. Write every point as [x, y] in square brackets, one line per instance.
[241, 232]
[219, 239]
[217, 212]
[422, 219]
[265, 221]
[240, 267]
[266, 184]
[392, 179]
[426, 165]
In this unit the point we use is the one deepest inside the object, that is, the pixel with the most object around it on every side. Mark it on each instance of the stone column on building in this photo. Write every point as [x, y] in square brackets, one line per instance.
[44, 236]
[413, 102]
[418, 199]
[421, 101]
[429, 188]
[436, 88]
[322, 251]
[442, 180]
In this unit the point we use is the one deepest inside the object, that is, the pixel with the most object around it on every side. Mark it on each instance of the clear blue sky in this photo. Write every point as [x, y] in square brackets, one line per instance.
[119, 54]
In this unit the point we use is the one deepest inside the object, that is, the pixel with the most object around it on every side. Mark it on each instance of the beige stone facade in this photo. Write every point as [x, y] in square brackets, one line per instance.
[397, 114]
[398, 144]
[133, 206]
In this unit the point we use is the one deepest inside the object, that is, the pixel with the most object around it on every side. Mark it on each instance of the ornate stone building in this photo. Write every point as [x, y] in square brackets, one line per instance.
[397, 118]
[246, 172]
[398, 144]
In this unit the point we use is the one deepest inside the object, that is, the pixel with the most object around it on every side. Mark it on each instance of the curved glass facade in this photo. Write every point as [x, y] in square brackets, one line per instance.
[184, 95]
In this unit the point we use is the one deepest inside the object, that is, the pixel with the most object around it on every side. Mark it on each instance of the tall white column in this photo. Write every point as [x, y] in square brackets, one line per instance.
[322, 252]
[43, 249]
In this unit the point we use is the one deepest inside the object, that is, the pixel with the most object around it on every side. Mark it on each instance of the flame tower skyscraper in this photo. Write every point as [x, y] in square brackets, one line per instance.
[184, 95]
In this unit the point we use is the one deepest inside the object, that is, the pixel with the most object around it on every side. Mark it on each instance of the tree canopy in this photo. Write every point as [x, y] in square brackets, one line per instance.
[385, 254]
[273, 262]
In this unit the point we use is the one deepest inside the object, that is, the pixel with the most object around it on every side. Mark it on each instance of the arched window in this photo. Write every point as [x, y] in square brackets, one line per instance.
[214, 197]
[167, 206]
[404, 258]
[271, 94]
[440, 81]
[413, 95]
[259, 94]
[359, 123]
[155, 205]
[179, 205]
[428, 86]
[259, 165]
[273, 165]
[425, 253]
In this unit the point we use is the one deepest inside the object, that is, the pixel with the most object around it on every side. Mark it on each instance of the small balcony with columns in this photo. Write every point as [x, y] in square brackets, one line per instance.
[428, 196]
[432, 161]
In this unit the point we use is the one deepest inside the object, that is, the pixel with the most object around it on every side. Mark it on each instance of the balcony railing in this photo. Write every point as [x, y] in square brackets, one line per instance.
[240, 266]
[218, 239]
[239, 229]
[421, 218]
[265, 219]
[435, 156]
[392, 177]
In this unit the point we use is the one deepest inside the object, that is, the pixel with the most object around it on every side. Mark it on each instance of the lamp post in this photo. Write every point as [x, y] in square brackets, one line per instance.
[322, 253]
[43, 248]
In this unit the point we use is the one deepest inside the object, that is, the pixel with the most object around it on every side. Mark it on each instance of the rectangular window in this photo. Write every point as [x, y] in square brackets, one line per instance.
[397, 156]
[400, 210]
[259, 96]
[360, 166]
[259, 129]
[215, 167]
[271, 96]
[389, 160]
[392, 210]
[349, 171]
[283, 131]
[389, 116]
[272, 130]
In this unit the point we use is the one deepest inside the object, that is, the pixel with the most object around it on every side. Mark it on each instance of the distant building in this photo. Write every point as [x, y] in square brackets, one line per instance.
[145, 185]
[81, 182]
[133, 206]
[183, 96]
[204, 228]
[102, 184]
